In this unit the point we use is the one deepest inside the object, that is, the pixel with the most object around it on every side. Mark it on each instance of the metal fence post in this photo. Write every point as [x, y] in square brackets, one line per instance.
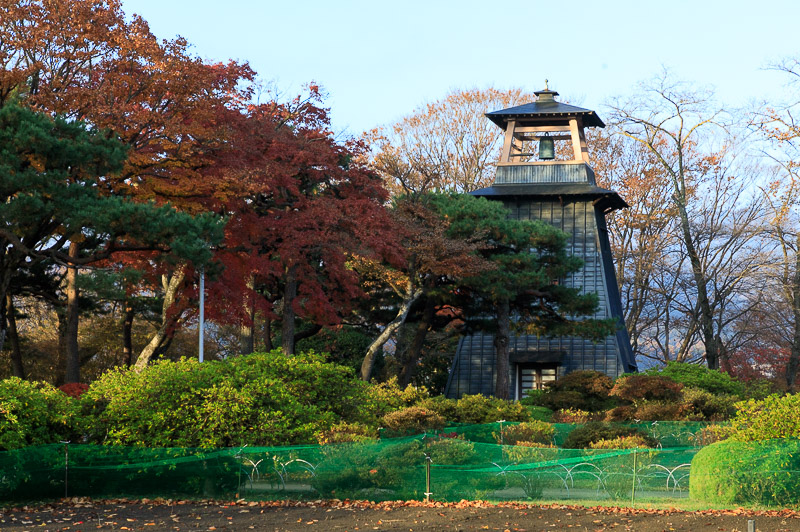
[427, 470]
[66, 468]
[633, 486]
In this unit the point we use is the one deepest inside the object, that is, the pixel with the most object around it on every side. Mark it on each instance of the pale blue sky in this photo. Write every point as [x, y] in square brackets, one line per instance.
[379, 60]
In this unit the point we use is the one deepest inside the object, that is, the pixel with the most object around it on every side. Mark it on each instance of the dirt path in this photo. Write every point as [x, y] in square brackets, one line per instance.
[86, 515]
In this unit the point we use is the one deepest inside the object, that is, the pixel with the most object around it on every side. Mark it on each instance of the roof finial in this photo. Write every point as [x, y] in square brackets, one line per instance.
[546, 81]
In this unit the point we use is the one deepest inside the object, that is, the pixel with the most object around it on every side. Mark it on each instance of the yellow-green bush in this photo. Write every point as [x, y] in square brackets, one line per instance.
[702, 405]
[584, 436]
[773, 417]
[412, 420]
[344, 432]
[698, 376]
[474, 409]
[623, 442]
[259, 399]
[526, 452]
[35, 413]
[529, 432]
[571, 415]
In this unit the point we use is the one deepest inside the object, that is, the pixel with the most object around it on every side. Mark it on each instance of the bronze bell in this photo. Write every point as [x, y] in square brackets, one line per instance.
[547, 148]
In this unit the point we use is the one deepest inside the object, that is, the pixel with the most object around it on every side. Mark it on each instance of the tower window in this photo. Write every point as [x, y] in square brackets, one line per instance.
[534, 377]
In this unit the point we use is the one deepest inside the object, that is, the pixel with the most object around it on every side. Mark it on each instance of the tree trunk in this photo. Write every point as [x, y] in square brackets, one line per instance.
[127, 334]
[793, 364]
[3, 309]
[72, 372]
[377, 344]
[307, 333]
[414, 351]
[268, 335]
[17, 369]
[723, 356]
[289, 295]
[168, 321]
[706, 317]
[246, 337]
[61, 354]
[501, 341]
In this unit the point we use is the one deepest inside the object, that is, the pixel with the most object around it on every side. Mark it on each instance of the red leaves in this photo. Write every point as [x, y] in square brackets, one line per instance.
[74, 389]
[296, 200]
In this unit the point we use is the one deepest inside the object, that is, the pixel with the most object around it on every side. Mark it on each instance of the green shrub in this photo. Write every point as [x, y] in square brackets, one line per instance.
[563, 400]
[702, 405]
[732, 472]
[659, 411]
[476, 409]
[529, 432]
[761, 389]
[35, 413]
[571, 415]
[583, 437]
[525, 452]
[711, 434]
[697, 376]
[639, 388]
[396, 470]
[447, 408]
[622, 442]
[592, 387]
[259, 399]
[387, 396]
[347, 433]
[540, 413]
[344, 346]
[772, 417]
[349, 469]
[621, 413]
[533, 398]
[412, 420]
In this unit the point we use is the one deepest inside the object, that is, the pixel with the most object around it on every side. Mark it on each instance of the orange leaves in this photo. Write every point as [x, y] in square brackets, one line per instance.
[447, 145]
[87, 62]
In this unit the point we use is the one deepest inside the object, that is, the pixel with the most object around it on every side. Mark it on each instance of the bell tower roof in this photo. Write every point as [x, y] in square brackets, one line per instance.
[545, 108]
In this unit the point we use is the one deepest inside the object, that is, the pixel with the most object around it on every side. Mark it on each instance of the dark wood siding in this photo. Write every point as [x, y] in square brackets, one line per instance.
[473, 367]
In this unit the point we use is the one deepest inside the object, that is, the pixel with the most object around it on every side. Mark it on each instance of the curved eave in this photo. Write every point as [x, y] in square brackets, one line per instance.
[589, 119]
[545, 110]
[607, 200]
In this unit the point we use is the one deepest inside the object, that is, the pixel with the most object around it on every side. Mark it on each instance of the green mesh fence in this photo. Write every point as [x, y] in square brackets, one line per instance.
[667, 433]
[448, 466]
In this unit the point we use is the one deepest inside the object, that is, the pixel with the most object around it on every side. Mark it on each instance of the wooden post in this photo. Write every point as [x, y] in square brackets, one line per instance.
[584, 146]
[576, 139]
[508, 141]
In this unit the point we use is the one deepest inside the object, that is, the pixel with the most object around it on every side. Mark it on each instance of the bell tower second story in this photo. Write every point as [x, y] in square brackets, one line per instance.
[544, 142]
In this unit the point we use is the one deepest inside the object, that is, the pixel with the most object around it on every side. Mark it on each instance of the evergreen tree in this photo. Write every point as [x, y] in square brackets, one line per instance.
[56, 209]
[530, 262]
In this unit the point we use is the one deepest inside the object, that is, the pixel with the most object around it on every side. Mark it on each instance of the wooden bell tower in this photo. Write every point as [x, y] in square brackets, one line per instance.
[543, 174]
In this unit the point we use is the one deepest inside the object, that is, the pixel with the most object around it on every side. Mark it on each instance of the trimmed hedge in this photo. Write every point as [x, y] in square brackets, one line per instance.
[732, 472]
